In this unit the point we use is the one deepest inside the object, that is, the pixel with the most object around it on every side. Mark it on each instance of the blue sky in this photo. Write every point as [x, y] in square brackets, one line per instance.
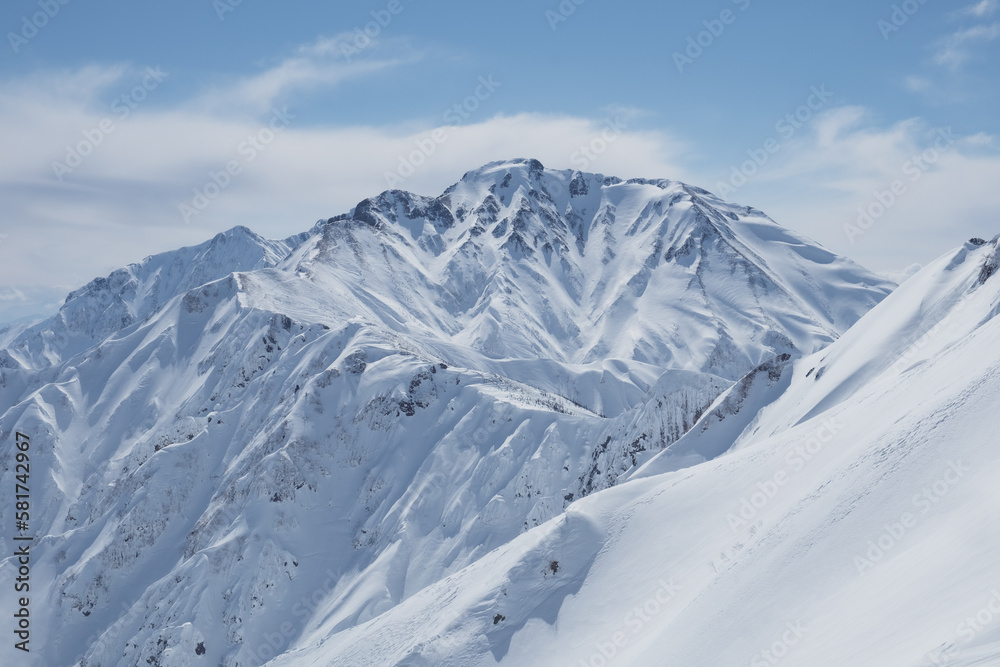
[896, 108]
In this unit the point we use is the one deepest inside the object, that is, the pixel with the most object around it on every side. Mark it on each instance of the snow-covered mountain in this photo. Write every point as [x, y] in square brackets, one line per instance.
[370, 443]
[853, 524]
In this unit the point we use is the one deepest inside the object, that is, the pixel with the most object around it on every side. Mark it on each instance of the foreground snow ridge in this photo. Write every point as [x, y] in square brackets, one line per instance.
[546, 418]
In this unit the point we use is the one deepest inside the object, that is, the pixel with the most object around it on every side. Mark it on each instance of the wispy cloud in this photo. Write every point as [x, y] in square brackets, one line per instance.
[12, 294]
[954, 49]
[952, 86]
[981, 139]
[917, 84]
[818, 181]
[980, 9]
[319, 64]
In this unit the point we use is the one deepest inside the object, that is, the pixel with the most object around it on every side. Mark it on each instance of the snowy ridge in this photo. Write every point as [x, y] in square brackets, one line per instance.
[317, 431]
[132, 294]
[938, 308]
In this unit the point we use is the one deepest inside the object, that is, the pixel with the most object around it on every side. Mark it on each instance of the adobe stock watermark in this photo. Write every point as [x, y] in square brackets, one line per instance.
[273, 643]
[249, 150]
[899, 17]
[633, 624]
[586, 155]
[364, 36]
[498, 416]
[122, 107]
[562, 13]
[747, 516]
[967, 630]
[795, 461]
[223, 7]
[99, 643]
[714, 28]
[31, 25]
[427, 146]
[779, 650]
[919, 343]
[893, 533]
[786, 127]
[913, 169]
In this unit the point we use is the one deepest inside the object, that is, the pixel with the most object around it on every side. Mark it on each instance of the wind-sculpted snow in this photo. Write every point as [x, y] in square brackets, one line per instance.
[250, 446]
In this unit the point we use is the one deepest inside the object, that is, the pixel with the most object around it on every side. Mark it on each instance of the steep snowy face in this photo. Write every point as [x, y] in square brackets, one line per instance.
[937, 309]
[853, 526]
[251, 436]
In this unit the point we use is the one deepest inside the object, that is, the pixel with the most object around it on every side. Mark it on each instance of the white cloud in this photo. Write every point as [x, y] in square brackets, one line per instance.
[917, 84]
[981, 9]
[21, 303]
[315, 65]
[980, 139]
[954, 49]
[12, 294]
[818, 182]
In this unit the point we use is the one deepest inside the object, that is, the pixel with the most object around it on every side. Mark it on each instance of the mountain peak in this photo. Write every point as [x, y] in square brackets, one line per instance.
[526, 165]
[516, 260]
[239, 232]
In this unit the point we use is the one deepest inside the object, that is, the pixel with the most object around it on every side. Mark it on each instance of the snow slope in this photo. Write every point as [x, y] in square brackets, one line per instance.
[251, 446]
[855, 526]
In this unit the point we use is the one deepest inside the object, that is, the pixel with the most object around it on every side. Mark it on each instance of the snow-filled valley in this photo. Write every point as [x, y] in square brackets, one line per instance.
[546, 418]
